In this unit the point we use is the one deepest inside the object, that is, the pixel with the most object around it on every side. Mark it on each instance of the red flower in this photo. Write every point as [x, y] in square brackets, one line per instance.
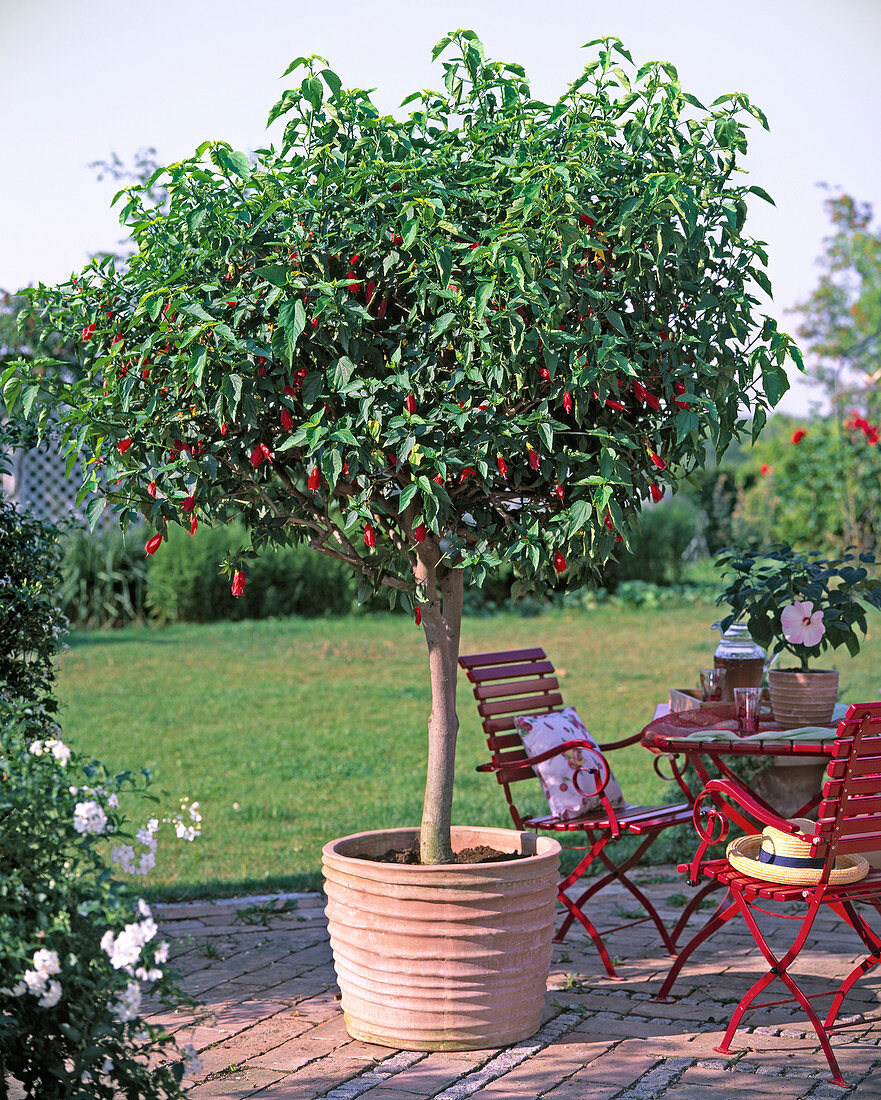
[544, 374]
[88, 332]
[656, 491]
[354, 259]
[417, 615]
[314, 479]
[587, 220]
[287, 421]
[679, 387]
[872, 436]
[503, 467]
[189, 503]
[260, 452]
[567, 402]
[116, 339]
[381, 308]
[223, 429]
[371, 290]
[151, 488]
[123, 445]
[194, 523]
[560, 562]
[657, 461]
[419, 533]
[558, 489]
[764, 469]
[533, 458]
[354, 285]
[798, 435]
[410, 403]
[468, 471]
[369, 536]
[613, 404]
[238, 583]
[153, 544]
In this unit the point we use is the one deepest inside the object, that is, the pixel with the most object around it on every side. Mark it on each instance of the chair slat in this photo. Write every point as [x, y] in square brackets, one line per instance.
[496, 725]
[862, 766]
[477, 660]
[510, 672]
[517, 687]
[525, 705]
[856, 804]
[832, 787]
[869, 842]
[869, 746]
[849, 826]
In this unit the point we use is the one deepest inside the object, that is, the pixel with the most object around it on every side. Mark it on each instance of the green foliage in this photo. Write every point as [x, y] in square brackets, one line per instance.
[761, 584]
[817, 485]
[186, 583]
[842, 316]
[31, 622]
[405, 312]
[104, 578]
[656, 550]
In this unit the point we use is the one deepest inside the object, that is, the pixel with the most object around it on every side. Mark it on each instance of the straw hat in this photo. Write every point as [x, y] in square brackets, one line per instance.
[776, 856]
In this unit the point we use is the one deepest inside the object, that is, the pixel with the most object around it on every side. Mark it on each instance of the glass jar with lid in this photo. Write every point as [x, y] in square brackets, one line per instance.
[741, 657]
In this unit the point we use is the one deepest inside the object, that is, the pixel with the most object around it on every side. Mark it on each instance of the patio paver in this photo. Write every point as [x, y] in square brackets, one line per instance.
[274, 1029]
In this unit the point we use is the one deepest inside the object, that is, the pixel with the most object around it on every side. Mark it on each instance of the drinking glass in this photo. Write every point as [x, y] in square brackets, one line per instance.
[712, 684]
[747, 704]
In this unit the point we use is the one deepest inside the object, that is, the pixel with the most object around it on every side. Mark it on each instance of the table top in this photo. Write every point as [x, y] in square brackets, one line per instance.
[704, 731]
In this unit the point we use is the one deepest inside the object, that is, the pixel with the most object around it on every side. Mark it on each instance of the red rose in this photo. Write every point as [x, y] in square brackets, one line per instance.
[153, 544]
[123, 445]
[798, 435]
[560, 562]
[238, 583]
[764, 469]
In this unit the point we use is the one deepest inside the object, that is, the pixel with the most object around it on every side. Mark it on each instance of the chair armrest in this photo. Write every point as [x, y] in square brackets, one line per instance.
[609, 746]
[600, 770]
[733, 791]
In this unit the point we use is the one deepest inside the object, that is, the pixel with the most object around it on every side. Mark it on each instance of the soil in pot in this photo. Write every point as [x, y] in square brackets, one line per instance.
[481, 853]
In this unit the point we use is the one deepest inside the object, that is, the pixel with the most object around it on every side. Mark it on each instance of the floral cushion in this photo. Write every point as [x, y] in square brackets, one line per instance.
[545, 731]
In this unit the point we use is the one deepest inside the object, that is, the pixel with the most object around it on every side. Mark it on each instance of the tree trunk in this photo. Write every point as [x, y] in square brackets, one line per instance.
[440, 590]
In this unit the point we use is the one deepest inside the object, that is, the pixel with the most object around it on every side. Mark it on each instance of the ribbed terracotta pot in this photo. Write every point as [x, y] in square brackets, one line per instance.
[802, 698]
[449, 957]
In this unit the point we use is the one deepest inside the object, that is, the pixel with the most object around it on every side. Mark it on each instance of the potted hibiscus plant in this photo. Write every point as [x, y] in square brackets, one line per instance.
[483, 333]
[800, 604]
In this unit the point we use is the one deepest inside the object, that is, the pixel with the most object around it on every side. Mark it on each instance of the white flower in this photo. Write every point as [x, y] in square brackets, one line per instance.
[52, 995]
[124, 950]
[60, 751]
[801, 624]
[106, 1066]
[88, 817]
[128, 1002]
[35, 982]
[36, 748]
[46, 962]
[192, 1061]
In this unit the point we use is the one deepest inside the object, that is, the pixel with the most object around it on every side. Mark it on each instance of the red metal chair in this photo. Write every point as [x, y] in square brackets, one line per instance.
[522, 682]
[848, 824]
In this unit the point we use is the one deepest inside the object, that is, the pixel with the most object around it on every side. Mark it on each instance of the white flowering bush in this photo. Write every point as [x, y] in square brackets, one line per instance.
[79, 951]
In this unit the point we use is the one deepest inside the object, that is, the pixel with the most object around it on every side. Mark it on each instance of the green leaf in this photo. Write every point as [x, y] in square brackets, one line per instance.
[444, 322]
[312, 386]
[237, 163]
[196, 365]
[94, 510]
[274, 273]
[579, 514]
[484, 291]
[292, 321]
[407, 493]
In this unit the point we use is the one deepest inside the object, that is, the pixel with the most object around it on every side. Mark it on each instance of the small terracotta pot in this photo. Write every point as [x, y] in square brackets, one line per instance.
[802, 698]
[447, 957]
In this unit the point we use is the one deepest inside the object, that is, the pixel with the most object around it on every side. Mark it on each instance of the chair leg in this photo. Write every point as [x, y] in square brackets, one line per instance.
[620, 873]
[871, 941]
[599, 944]
[720, 917]
[597, 845]
[779, 969]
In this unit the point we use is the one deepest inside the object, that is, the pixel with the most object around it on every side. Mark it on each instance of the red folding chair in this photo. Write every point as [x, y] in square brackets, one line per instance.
[522, 682]
[848, 824]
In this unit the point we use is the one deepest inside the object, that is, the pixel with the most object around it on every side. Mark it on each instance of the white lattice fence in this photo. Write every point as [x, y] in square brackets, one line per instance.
[38, 484]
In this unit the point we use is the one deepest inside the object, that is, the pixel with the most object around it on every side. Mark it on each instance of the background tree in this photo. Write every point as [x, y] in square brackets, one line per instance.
[842, 317]
[483, 333]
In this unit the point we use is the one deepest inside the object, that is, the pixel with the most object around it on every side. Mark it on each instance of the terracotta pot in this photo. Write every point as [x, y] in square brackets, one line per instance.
[449, 957]
[802, 698]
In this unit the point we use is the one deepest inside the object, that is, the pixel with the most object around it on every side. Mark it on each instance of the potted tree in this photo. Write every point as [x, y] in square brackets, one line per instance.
[800, 604]
[482, 333]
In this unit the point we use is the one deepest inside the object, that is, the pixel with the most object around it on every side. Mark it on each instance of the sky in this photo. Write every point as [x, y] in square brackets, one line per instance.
[81, 81]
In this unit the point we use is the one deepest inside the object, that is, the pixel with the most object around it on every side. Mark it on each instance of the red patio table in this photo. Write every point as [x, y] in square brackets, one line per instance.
[676, 735]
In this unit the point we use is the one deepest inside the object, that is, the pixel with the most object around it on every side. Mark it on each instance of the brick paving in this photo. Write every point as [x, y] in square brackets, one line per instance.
[272, 1026]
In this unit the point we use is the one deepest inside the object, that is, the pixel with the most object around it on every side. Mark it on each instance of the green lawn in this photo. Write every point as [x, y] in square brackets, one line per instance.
[292, 732]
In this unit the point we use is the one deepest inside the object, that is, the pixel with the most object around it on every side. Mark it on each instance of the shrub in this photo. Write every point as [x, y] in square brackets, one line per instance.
[32, 623]
[185, 583]
[104, 578]
[657, 548]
